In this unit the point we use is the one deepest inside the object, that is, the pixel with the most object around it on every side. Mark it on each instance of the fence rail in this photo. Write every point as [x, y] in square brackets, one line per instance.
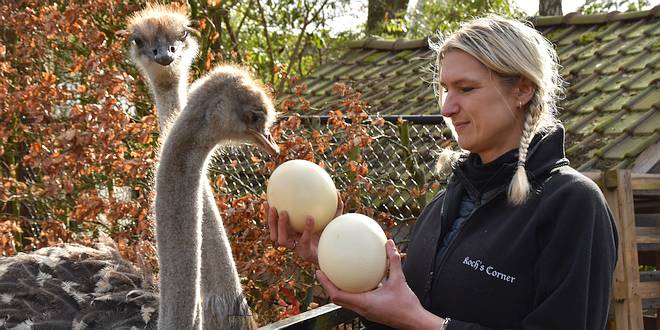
[328, 316]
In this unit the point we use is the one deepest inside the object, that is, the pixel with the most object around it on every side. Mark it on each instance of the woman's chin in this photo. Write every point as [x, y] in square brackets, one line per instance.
[463, 143]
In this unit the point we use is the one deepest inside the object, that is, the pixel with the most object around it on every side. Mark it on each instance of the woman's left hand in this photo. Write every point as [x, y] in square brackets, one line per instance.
[393, 303]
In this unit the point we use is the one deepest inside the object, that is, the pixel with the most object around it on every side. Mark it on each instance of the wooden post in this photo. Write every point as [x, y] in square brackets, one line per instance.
[626, 303]
[657, 311]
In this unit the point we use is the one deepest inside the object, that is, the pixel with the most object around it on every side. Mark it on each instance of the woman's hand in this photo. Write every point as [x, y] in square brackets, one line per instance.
[305, 244]
[393, 303]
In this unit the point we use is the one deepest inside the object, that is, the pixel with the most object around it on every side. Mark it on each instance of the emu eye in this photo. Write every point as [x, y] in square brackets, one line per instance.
[253, 116]
[138, 42]
[184, 35]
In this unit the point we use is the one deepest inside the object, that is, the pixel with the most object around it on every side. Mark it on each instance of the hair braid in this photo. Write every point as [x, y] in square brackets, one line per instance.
[519, 187]
[446, 160]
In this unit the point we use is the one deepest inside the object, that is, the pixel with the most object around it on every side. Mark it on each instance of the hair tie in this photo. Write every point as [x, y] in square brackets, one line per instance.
[521, 163]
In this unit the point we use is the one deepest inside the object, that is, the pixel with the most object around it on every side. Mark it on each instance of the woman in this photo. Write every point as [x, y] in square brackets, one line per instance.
[518, 239]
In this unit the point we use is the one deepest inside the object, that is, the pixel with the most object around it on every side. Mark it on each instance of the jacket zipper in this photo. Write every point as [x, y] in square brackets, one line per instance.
[452, 244]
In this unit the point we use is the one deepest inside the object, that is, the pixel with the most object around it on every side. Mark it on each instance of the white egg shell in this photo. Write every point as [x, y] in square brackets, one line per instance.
[303, 188]
[352, 252]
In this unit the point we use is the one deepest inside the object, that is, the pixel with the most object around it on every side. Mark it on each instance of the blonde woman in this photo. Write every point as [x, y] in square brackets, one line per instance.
[518, 239]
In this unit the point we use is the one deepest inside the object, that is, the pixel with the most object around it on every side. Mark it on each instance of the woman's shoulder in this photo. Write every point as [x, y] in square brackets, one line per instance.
[566, 179]
[568, 189]
[571, 204]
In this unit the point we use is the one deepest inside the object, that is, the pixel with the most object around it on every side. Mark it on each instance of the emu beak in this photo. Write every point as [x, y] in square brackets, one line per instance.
[265, 141]
[164, 59]
[163, 55]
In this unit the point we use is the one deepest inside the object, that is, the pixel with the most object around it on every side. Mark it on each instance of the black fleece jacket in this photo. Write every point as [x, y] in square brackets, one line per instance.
[547, 264]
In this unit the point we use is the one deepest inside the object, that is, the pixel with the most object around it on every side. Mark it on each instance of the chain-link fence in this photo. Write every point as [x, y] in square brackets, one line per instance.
[401, 165]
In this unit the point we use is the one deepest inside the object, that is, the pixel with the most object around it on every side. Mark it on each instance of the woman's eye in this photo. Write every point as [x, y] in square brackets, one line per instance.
[466, 89]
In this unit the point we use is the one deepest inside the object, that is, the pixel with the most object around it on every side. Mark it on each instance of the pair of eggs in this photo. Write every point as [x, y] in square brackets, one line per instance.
[351, 248]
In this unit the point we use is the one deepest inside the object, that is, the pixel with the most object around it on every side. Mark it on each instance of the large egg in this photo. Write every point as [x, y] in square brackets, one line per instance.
[303, 188]
[352, 252]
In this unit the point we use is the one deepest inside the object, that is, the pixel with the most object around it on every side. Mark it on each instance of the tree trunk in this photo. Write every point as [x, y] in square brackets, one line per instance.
[379, 9]
[550, 8]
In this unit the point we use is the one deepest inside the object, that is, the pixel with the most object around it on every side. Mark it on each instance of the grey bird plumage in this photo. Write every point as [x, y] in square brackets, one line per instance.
[76, 287]
[157, 28]
[225, 105]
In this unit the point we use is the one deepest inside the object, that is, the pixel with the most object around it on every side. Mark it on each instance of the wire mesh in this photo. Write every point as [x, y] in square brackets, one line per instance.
[400, 158]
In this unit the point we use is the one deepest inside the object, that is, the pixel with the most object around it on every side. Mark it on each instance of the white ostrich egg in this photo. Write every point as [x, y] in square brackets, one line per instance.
[303, 188]
[352, 252]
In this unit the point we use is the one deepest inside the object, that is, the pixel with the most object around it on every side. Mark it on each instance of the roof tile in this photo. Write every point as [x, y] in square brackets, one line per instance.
[620, 102]
[624, 123]
[573, 123]
[643, 81]
[642, 61]
[629, 147]
[611, 32]
[650, 124]
[599, 123]
[597, 103]
[647, 100]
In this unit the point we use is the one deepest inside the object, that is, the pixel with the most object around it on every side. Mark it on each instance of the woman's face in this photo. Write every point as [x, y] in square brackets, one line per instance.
[484, 112]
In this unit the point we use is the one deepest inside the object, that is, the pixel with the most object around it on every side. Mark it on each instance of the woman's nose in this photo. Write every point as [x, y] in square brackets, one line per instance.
[448, 106]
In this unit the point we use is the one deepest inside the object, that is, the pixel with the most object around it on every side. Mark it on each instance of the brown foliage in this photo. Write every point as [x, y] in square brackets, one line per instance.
[78, 141]
[278, 283]
[75, 131]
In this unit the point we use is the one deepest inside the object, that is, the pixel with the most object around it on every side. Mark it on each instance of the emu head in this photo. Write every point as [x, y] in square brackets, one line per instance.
[161, 40]
[229, 105]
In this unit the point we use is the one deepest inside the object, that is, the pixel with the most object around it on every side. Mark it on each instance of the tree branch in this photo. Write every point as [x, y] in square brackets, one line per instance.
[240, 24]
[296, 49]
[271, 59]
[224, 14]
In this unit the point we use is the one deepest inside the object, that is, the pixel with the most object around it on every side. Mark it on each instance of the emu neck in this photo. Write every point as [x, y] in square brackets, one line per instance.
[170, 89]
[184, 155]
[179, 212]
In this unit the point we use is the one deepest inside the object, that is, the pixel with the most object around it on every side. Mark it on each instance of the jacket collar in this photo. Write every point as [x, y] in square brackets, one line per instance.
[548, 153]
[545, 154]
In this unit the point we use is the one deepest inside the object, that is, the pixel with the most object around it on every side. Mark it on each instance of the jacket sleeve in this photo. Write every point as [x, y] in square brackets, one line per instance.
[577, 253]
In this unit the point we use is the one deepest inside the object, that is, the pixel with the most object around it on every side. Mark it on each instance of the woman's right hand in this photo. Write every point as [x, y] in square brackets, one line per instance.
[305, 244]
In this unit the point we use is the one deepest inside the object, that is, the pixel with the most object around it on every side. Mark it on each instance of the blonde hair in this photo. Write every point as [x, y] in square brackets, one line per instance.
[512, 50]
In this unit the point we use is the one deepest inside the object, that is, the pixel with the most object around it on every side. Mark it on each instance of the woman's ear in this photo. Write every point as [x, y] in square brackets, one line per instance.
[524, 91]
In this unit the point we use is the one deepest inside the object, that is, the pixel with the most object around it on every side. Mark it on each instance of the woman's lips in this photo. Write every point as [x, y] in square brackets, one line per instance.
[460, 124]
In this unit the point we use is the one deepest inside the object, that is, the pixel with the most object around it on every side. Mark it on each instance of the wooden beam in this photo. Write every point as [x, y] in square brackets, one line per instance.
[640, 181]
[648, 235]
[648, 290]
[647, 159]
[646, 181]
[627, 302]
